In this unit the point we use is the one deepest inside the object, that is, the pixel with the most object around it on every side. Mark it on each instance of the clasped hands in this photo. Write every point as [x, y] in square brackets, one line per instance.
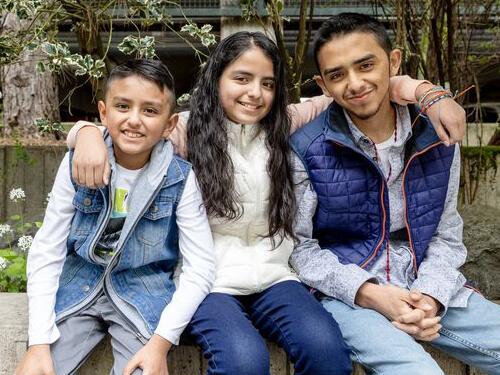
[410, 311]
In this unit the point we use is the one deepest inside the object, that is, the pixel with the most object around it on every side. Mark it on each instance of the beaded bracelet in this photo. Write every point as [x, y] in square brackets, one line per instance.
[432, 96]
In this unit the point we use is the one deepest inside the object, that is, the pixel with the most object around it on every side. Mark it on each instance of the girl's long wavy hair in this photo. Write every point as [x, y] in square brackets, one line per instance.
[208, 138]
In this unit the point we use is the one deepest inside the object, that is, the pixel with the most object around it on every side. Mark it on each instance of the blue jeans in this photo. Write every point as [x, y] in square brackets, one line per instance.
[471, 334]
[230, 331]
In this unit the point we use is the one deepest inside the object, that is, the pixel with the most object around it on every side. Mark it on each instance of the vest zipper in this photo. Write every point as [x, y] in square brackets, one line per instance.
[114, 260]
[382, 237]
[94, 295]
[384, 213]
[405, 214]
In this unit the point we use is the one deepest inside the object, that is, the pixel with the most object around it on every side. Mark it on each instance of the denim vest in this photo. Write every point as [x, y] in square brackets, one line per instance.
[138, 280]
[352, 219]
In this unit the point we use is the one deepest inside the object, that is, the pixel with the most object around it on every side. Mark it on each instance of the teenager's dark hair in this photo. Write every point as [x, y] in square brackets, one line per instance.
[208, 139]
[346, 23]
[152, 70]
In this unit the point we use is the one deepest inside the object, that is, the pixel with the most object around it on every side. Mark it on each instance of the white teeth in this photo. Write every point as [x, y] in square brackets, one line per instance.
[249, 105]
[132, 134]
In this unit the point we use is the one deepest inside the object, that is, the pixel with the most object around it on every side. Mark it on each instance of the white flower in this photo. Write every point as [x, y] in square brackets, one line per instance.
[5, 229]
[17, 194]
[3, 264]
[48, 198]
[24, 243]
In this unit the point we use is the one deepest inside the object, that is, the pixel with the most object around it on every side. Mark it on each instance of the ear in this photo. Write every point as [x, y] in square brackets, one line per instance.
[102, 112]
[171, 124]
[395, 61]
[321, 84]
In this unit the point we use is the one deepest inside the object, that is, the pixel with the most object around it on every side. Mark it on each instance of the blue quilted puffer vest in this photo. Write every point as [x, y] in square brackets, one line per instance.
[352, 219]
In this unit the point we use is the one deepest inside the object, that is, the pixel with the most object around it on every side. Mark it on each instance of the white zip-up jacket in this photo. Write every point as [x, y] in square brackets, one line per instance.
[246, 260]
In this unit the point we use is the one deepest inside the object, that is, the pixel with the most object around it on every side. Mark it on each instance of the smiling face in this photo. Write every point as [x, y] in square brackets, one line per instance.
[137, 115]
[246, 87]
[355, 71]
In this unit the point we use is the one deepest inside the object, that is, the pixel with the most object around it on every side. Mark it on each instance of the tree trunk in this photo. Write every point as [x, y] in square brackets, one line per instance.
[27, 95]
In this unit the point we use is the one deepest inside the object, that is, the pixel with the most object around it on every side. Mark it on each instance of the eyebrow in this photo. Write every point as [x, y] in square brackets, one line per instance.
[244, 72]
[123, 99]
[357, 61]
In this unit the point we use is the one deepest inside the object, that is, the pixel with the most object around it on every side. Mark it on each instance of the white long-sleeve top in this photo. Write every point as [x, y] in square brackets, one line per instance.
[48, 252]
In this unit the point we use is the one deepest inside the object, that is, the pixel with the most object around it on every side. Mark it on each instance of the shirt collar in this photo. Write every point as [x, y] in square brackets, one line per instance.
[403, 123]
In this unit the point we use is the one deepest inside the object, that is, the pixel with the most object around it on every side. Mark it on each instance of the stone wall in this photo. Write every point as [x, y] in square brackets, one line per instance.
[33, 169]
[184, 360]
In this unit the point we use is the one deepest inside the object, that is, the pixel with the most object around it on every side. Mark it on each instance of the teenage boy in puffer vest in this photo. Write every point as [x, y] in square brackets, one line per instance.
[104, 259]
[380, 235]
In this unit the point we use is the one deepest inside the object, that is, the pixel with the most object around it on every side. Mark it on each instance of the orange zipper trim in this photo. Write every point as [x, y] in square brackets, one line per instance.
[375, 252]
[382, 238]
[406, 203]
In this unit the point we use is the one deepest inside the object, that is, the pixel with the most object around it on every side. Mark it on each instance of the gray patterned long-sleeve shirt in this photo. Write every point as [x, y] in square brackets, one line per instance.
[438, 274]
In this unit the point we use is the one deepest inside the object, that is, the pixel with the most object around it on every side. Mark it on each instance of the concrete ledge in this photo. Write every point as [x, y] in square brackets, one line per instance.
[184, 360]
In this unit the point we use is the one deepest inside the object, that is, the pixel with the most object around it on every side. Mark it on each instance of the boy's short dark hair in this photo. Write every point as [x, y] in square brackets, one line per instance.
[346, 23]
[151, 70]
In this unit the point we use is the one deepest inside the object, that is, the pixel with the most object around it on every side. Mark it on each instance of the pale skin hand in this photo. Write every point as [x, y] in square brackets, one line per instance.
[90, 159]
[36, 361]
[423, 317]
[152, 359]
[447, 117]
[408, 311]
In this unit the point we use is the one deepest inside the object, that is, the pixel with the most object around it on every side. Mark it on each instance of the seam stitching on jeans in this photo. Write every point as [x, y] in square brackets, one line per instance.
[468, 343]
[209, 349]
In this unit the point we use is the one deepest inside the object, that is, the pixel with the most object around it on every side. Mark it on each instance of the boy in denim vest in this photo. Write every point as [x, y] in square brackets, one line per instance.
[380, 235]
[104, 259]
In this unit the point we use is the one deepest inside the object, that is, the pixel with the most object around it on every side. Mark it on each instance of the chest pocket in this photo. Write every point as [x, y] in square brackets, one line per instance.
[88, 203]
[153, 229]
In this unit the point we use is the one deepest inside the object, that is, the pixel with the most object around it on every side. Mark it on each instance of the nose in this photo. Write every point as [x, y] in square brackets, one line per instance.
[254, 89]
[355, 82]
[134, 118]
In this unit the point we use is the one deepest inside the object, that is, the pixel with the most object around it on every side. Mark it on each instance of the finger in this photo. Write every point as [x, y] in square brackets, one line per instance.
[107, 172]
[457, 128]
[99, 175]
[463, 123]
[420, 304]
[454, 132]
[441, 132]
[429, 322]
[431, 331]
[415, 295]
[89, 177]
[81, 175]
[74, 171]
[415, 316]
[130, 367]
[411, 329]
[428, 334]
[429, 338]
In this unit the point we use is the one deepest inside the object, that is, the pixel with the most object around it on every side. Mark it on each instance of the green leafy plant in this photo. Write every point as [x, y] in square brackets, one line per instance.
[15, 242]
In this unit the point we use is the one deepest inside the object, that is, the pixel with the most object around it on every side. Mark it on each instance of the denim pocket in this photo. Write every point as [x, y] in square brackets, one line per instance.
[152, 227]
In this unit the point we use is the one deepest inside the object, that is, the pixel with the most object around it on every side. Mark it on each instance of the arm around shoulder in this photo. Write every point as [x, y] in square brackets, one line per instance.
[90, 159]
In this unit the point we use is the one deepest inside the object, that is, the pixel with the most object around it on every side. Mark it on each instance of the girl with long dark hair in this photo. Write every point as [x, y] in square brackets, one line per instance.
[238, 142]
